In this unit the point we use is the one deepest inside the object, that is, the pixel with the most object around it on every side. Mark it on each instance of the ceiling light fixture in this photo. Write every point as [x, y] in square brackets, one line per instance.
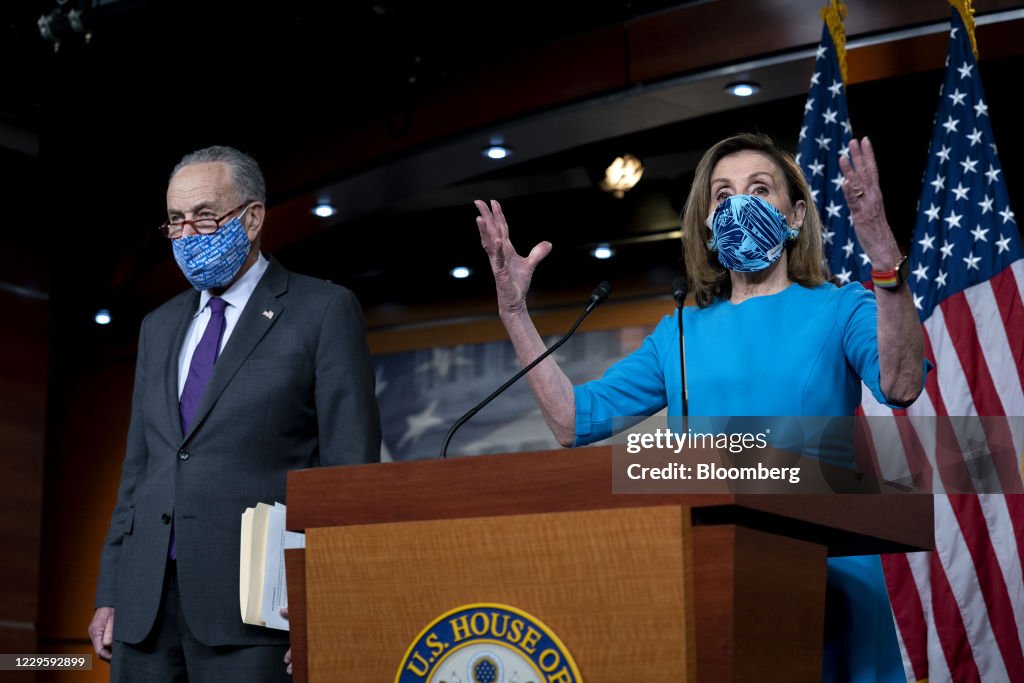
[496, 151]
[102, 317]
[743, 89]
[622, 175]
[324, 210]
[496, 148]
[460, 272]
[603, 251]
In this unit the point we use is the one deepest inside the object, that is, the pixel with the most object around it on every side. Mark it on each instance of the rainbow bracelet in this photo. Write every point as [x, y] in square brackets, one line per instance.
[891, 279]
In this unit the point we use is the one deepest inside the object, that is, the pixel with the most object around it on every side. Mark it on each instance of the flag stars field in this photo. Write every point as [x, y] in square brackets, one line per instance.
[824, 137]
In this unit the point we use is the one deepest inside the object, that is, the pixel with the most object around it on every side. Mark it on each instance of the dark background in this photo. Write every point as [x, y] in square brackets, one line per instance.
[157, 79]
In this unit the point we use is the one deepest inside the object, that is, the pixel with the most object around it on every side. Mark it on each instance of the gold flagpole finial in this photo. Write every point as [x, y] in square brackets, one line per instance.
[966, 10]
[834, 15]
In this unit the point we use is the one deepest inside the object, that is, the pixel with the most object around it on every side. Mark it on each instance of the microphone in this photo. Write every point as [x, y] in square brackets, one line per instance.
[679, 294]
[679, 291]
[601, 292]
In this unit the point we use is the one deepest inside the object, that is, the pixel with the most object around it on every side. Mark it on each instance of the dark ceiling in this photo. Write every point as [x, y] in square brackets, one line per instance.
[158, 78]
[111, 108]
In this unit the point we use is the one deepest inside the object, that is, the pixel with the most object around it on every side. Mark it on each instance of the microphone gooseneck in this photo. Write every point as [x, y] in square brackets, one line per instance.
[601, 292]
[679, 294]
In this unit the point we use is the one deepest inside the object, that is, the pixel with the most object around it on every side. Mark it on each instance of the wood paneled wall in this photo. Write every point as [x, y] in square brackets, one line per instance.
[24, 354]
[89, 413]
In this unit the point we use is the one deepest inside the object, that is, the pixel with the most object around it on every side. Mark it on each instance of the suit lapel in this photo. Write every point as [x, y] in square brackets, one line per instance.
[171, 371]
[262, 312]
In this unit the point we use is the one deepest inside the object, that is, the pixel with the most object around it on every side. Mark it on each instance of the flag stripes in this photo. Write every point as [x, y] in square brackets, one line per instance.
[959, 610]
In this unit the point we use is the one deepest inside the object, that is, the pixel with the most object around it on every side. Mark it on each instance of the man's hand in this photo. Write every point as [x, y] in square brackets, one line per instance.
[101, 632]
[287, 655]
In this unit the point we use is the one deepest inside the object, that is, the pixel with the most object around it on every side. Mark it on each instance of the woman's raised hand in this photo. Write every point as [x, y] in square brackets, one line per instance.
[512, 272]
[864, 197]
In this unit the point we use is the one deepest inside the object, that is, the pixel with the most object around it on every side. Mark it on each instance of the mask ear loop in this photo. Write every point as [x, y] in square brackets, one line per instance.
[712, 243]
[791, 233]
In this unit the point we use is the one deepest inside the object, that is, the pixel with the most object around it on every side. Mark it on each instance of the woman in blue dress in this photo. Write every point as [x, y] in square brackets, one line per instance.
[774, 337]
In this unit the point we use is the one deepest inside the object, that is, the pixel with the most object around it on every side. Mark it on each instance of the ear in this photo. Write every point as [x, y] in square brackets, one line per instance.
[253, 221]
[799, 212]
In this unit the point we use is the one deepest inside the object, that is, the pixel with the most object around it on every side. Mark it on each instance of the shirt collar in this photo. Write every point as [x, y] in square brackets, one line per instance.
[238, 294]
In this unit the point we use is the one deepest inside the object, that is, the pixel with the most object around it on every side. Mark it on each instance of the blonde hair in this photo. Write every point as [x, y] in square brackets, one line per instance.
[707, 277]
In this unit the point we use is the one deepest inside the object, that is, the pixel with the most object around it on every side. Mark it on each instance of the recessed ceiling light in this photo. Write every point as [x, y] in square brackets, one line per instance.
[102, 317]
[496, 151]
[460, 272]
[744, 89]
[324, 210]
[603, 251]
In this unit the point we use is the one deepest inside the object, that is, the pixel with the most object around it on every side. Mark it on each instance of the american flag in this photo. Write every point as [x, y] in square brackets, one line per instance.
[960, 610]
[825, 131]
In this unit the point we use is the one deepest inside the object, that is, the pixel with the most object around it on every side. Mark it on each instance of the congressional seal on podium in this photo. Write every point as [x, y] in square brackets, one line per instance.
[487, 643]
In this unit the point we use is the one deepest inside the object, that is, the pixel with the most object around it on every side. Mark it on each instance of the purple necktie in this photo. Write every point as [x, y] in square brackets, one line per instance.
[203, 358]
[200, 370]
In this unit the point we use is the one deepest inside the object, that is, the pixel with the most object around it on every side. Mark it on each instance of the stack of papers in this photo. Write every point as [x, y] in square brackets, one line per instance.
[261, 578]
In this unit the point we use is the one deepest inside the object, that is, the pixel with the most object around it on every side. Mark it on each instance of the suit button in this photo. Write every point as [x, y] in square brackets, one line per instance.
[184, 454]
[165, 518]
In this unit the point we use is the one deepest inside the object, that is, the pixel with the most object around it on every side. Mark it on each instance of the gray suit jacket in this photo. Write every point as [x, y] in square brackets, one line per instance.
[290, 390]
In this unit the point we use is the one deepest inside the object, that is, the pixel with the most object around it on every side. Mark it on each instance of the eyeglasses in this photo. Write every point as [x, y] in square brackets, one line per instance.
[203, 226]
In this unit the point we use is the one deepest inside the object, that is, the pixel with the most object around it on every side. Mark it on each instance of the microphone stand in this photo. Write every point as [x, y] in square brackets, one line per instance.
[599, 295]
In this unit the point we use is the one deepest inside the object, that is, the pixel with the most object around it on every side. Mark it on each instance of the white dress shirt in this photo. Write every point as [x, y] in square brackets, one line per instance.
[236, 296]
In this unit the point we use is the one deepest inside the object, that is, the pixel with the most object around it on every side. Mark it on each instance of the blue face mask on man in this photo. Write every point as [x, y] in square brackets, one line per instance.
[212, 261]
[749, 233]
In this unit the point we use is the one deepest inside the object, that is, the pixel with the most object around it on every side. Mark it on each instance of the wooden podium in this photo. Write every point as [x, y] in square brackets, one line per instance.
[638, 587]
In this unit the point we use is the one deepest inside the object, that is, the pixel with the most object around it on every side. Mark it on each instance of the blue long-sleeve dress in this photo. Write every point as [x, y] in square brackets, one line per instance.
[800, 352]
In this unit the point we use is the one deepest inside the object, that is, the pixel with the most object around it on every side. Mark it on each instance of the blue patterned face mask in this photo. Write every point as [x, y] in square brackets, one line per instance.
[749, 233]
[212, 261]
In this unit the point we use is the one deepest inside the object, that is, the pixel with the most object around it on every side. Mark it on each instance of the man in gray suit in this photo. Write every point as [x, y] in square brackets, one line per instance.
[254, 372]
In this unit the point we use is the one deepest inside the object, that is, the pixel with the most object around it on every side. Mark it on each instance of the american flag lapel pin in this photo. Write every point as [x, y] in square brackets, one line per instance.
[268, 315]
